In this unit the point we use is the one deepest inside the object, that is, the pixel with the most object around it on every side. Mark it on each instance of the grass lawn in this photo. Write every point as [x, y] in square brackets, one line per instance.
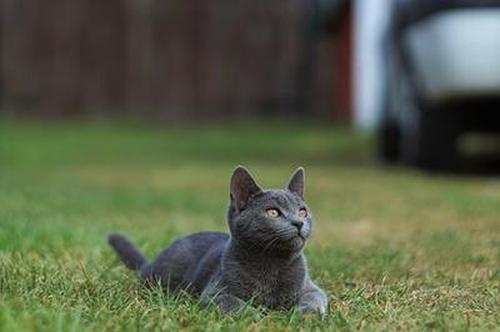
[394, 248]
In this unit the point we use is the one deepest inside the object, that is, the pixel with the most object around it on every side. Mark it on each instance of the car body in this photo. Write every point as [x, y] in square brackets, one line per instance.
[442, 79]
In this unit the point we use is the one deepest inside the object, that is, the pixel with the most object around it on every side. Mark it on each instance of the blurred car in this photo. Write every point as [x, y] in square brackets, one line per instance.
[442, 78]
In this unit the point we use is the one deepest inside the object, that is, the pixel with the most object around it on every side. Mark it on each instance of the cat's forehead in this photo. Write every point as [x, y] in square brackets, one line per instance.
[281, 197]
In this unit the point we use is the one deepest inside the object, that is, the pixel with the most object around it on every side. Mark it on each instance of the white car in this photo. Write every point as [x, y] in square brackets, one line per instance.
[443, 79]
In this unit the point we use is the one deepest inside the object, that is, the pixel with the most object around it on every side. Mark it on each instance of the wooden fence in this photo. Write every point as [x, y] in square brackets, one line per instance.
[165, 59]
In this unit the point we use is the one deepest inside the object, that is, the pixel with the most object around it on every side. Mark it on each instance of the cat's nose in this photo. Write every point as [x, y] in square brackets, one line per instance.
[299, 224]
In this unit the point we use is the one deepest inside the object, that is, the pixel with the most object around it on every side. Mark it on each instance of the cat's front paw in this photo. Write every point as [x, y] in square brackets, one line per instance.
[311, 308]
[229, 304]
[313, 302]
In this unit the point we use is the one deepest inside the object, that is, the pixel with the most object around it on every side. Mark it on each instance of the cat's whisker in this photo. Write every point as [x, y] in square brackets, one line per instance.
[270, 244]
[284, 231]
[287, 234]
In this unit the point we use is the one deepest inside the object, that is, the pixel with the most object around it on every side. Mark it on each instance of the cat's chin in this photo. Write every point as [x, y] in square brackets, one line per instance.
[295, 244]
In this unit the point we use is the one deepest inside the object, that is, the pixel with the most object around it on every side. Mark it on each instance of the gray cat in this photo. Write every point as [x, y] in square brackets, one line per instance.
[260, 261]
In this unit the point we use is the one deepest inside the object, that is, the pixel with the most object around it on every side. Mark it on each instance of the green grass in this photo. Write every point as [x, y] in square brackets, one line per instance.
[394, 248]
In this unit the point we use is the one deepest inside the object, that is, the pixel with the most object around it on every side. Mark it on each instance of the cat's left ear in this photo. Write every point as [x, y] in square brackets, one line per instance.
[296, 184]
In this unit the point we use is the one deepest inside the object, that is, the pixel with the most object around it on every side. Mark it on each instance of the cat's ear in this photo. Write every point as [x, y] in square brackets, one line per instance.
[296, 184]
[243, 187]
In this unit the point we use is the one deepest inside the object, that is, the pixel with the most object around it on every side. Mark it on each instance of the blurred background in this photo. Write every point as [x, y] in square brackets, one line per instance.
[175, 60]
[416, 72]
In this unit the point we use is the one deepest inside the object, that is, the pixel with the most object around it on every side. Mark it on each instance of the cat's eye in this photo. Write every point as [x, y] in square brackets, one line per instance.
[302, 213]
[273, 213]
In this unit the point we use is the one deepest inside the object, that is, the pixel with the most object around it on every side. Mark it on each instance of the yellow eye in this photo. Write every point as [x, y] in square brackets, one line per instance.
[273, 213]
[302, 213]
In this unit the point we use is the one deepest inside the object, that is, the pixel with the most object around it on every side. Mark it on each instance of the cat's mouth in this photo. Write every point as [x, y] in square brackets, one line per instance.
[298, 238]
[290, 241]
[298, 242]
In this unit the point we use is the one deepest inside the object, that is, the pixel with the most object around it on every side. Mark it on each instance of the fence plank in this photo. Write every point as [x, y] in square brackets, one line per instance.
[172, 59]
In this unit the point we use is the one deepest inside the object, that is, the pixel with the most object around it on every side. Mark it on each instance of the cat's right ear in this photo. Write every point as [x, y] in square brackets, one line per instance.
[243, 187]
[296, 184]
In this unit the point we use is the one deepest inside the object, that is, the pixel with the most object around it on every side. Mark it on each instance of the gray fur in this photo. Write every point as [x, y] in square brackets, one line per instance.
[260, 261]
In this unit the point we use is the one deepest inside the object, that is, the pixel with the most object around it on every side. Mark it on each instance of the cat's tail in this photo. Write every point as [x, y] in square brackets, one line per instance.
[132, 258]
